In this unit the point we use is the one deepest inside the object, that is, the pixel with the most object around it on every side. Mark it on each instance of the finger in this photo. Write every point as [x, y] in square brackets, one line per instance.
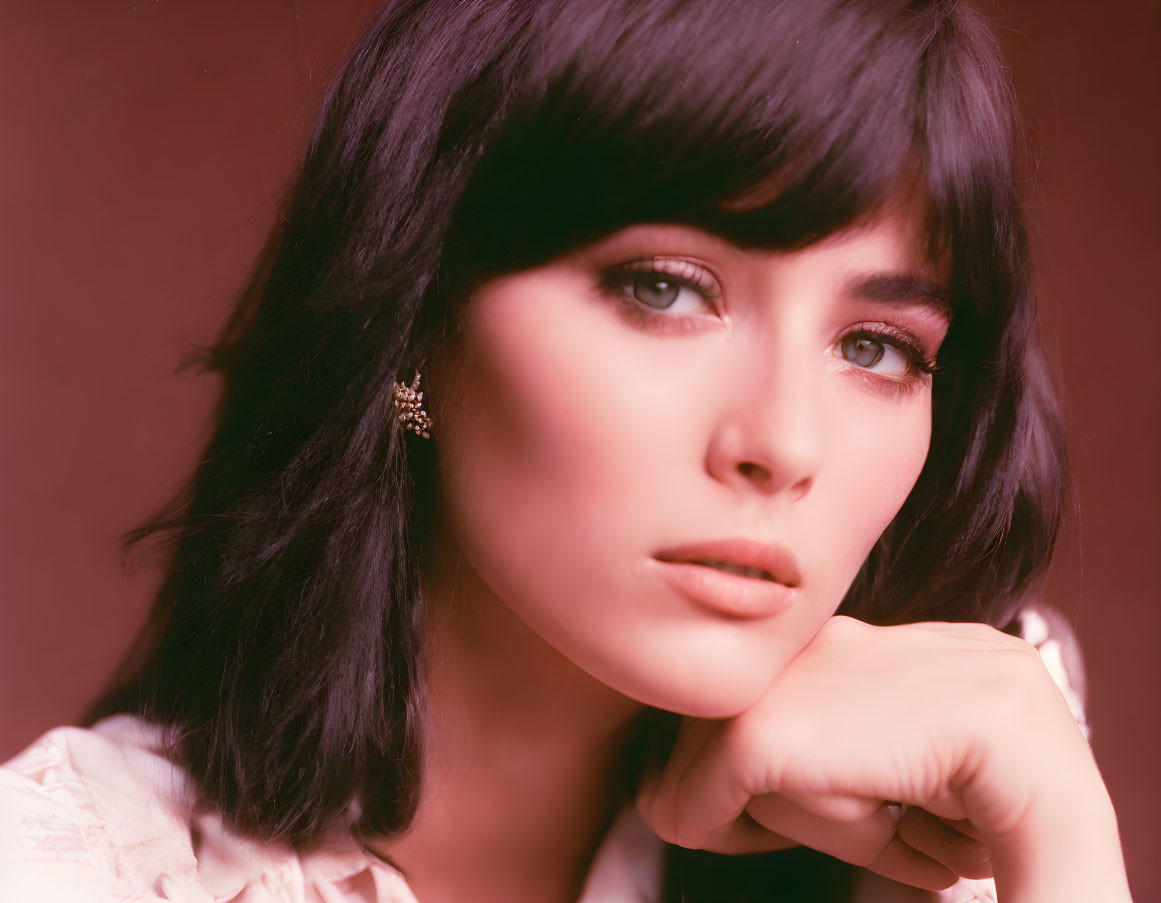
[946, 806]
[647, 787]
[739, 837]
[743, 836]
[839, 807]
[963, 826]
[702, 790]
[901, 862]
[870, 842]
[933, 837]
[858, 840]
[657, 794]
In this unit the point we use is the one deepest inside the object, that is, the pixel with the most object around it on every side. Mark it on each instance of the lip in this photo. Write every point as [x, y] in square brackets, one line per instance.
[730, 594]
[747, 597]
[777, 560]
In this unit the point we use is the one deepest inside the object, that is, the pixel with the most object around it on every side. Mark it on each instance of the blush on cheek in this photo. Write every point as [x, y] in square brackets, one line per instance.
[896, 471]
[537, 382]
[523, 443]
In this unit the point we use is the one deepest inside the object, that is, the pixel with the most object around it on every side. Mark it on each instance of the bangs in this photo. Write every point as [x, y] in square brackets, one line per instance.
[769, 124]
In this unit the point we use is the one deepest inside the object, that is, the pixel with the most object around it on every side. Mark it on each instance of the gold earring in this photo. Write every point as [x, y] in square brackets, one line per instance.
[409, 404]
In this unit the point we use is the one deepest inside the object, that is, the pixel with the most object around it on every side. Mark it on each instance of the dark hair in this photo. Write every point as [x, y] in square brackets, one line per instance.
[466, 138]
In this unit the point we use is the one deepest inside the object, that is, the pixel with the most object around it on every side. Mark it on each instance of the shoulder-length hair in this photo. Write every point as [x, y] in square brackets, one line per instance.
[466, 138]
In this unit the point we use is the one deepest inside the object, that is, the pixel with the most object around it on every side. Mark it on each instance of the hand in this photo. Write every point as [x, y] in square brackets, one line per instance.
[959, 722]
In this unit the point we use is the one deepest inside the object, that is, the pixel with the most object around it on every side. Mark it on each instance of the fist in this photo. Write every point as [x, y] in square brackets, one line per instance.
[923, 752]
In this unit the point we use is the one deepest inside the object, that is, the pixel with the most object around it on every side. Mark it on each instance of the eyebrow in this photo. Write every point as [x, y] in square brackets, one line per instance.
[903, 288]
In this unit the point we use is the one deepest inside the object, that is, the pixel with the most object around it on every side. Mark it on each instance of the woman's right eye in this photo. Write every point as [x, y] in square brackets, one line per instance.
[655, 290]
[665, 287]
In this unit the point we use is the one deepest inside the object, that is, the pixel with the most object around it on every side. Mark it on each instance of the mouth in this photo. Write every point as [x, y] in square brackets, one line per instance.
[742, 578]
[726, 592]
[740, 570]
[741, 557]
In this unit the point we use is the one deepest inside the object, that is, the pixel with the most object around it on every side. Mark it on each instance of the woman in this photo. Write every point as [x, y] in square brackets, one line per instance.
[605, 351]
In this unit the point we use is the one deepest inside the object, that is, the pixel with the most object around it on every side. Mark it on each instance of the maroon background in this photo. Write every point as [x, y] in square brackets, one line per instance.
[142, 149]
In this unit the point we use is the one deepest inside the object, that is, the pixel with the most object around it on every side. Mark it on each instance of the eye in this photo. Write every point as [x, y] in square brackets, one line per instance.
[885, 350]
[655, 290]
[663, 286]
[864, 350]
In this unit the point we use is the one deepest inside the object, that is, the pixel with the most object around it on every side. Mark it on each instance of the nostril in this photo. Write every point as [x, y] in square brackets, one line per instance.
[753, 471]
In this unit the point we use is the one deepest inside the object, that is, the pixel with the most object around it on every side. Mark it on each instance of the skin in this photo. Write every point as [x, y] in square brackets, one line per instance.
[579, 432]
[960, 722]
[578, 442]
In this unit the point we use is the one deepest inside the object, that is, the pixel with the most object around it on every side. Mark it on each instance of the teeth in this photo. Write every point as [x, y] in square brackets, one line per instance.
[731, 568]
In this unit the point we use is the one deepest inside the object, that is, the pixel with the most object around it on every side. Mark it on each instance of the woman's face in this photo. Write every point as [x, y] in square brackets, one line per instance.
[661, 398]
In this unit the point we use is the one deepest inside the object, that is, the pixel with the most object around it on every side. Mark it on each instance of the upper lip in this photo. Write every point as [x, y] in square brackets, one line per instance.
[776, 560]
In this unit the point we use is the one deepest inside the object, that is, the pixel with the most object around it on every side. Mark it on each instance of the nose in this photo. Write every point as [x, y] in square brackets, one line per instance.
[768, 437]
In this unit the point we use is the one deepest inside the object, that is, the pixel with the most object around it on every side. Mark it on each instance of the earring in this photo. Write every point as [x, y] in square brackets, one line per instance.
[409, 404]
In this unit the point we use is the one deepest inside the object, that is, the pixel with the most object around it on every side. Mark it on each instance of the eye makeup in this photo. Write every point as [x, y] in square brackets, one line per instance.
[918, 361]
[649, 289]
[655, 293]
[680, 269]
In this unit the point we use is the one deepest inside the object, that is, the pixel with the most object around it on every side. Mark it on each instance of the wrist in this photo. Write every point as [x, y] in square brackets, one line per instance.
[1065, 848]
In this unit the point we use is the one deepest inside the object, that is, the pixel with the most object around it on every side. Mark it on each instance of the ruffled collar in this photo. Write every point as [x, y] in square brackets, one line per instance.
[626, 868]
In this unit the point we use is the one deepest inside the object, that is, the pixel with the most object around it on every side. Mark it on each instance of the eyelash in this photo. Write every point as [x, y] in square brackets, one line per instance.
[617, 283]
[920, 367]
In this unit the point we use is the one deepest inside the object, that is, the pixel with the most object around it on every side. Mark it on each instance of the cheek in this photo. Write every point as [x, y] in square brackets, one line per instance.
[518, 408]
[871, 473]
[899, 464]
[885, 470]
[537, 443]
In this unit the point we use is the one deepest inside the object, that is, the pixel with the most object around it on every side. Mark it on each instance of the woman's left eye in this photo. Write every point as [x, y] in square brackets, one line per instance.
[884, 352]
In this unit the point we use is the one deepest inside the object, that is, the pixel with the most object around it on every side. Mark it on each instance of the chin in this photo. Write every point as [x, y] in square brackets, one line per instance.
[704, 688]
[706, 703]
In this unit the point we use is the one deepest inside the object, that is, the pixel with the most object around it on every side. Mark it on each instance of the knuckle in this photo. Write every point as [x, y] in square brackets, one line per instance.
[866, 851]
[976, 629]
[1022, 683]
[1032, 653]
[1028, 665]
[911, 831]
[843, 625]
[839, 629]
[684, 837]
[758, 753]
[659, 818]
[977, 634]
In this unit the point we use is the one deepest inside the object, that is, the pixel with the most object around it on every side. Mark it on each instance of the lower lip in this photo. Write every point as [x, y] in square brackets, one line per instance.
[731, 594]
